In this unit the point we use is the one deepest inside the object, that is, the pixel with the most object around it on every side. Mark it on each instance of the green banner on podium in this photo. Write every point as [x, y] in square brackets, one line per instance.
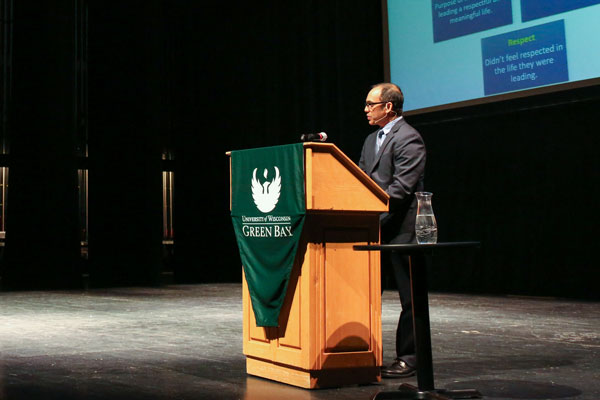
[268, 210]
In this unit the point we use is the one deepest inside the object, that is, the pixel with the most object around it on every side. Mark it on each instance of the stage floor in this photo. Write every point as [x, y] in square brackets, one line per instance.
[184, 342]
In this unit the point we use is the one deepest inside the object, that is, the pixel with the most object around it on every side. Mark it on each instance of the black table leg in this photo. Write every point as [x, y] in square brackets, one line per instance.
[421, 327]
[420, 305]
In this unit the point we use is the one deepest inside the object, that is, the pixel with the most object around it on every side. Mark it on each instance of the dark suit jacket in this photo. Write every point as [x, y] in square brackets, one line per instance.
[399, 168]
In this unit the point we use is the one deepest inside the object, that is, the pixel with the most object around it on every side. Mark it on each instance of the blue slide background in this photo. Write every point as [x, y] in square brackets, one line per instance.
[439, 73]
[474, 15]
[507, 68]
[534, 9]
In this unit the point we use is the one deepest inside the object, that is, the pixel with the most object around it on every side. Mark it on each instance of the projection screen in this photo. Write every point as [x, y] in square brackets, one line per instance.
[455, 53]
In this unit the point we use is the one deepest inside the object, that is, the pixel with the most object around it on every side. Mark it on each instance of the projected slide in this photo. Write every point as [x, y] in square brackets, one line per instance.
[534, 9]
[525, 58]
[445, 53]
[457, 18]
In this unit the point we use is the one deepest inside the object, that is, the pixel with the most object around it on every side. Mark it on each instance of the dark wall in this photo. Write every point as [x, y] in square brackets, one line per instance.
[42, 247]
[196, 80]
[126, 121]
[200, 80]
[524, 181]
[250, 77]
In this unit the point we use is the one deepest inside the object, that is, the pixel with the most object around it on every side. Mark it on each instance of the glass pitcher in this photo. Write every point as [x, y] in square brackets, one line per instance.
[425, 225]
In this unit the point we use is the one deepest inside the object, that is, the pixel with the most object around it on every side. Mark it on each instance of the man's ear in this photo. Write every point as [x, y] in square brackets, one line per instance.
[389, 107]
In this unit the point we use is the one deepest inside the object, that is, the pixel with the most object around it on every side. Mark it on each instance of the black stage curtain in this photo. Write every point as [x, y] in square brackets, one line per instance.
[126, 119]
[198, 80]
[42, 246]
[253, 75]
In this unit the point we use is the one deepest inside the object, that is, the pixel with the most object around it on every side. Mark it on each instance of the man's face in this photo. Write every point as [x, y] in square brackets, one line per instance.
[376, 110]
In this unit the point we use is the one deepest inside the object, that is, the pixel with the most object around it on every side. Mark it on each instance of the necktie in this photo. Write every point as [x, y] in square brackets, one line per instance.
[380, 139]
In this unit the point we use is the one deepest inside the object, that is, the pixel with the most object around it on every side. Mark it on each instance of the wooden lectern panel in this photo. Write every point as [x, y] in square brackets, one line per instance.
[334, 182]
[329, 331]
[346, 298]
[330, 324]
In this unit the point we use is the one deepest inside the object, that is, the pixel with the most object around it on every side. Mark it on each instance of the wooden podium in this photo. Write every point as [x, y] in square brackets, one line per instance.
[329, 331]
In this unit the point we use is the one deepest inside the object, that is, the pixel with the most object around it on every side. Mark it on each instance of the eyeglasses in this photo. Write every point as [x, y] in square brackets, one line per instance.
[370, 105]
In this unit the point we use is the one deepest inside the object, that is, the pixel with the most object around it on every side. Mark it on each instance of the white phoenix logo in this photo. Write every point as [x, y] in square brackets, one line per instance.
[266, 195]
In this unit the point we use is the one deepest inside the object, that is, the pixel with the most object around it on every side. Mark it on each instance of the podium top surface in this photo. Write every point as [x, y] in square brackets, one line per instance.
[334, 183]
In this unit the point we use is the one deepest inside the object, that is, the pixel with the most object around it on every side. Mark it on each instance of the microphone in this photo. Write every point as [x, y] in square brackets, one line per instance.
[313, 137]
[385, 116]
[380, 119]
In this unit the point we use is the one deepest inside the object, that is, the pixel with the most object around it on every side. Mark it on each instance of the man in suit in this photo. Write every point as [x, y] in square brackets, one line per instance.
[394, 157]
